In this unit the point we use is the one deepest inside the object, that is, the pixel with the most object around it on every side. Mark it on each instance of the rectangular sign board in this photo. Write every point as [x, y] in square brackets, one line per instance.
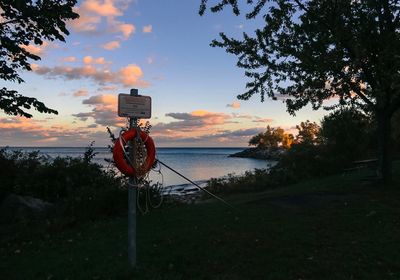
[134, 106]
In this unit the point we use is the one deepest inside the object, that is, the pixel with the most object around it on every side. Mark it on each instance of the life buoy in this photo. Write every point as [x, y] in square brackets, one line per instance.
[119, 158]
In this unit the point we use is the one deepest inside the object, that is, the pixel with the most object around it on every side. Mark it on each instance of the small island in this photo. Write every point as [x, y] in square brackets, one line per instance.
[275, 142]
[260, 153]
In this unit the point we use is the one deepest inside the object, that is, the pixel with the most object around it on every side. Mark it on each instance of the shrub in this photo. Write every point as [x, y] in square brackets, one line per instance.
[256, 180]
[82, 188]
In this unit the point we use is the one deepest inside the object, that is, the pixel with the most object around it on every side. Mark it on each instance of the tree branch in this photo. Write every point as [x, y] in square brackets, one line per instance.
[301, 5]
[357, 91]
[8, 22]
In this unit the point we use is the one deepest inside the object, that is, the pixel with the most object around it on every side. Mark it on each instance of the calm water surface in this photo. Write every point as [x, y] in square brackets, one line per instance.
[197, 164]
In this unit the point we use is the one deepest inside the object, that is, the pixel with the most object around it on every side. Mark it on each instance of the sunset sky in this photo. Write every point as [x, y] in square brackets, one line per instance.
[160, 47]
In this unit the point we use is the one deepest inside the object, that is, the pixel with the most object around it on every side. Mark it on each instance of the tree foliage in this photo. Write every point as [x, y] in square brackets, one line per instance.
[310, 51]
[22, 23]
[308, 133]
[272, 138]
[348, 131]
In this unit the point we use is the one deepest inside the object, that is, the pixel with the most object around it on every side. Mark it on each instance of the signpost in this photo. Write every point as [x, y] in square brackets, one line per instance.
[133, 106]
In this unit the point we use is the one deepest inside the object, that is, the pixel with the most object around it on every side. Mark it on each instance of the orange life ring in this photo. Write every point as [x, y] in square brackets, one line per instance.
[119, 158]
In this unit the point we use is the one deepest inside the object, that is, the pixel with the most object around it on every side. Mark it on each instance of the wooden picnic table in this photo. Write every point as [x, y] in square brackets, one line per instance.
[366, 162]
[360, 164]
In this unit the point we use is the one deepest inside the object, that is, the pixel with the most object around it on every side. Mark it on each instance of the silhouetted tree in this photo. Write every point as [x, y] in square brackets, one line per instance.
[308, 133]
[314, 50]
[25, 22]
[348, 132]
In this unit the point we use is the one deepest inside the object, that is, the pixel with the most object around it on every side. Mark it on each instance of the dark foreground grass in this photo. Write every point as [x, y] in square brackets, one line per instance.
[339, 227]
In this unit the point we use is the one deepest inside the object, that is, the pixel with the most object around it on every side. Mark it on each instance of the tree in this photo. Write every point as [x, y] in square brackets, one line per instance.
[308, 133]
[348, 132]
[309, 51]
[287, 140]
[22, 23]
[272, 138]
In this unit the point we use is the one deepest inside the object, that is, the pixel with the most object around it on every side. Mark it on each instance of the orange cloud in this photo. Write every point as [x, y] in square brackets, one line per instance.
[126, 29]
[81, 92]
[87, 59]
[104, 110]
[103, 99]
[86, 22]
[90, 60]
[93, 12]
[130, 75]
[147, 29]
[88, 70]
[104, 8]
[18, 122]
[234, 105]
[69, 59]
[19, 131]
[36, 49]
[111, 45]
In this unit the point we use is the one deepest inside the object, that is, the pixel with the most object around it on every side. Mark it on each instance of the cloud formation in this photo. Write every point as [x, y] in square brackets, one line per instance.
[147, 29]
[20, 131]
[196, 128]
[106, 8]
[69, 59]
[80, 93]
[263, 120]
[238, 137]
[98, 17]
[104, 110]
[198, 118]
[205, 128]
[90, 60]
[234, 105]
[112, 45]
[129, 76]
[37, 49]
[126, 29]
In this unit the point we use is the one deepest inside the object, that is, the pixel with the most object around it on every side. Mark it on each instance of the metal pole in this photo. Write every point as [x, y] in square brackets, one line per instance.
[132, 193]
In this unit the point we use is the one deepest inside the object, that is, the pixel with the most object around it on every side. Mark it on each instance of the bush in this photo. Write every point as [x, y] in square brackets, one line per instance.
[81, 188]
[256, 180]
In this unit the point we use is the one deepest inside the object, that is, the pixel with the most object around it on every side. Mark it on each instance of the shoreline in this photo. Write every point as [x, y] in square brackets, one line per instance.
[258, 153]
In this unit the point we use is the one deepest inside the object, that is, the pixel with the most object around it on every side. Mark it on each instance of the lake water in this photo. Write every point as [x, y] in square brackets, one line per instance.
[198, 164]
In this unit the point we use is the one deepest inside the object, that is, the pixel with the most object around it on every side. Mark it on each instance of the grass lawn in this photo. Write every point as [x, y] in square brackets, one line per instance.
[339, 227]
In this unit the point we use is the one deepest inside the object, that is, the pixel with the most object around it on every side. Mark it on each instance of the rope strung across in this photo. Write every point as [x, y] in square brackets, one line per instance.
[143, 159]
[122, 159]
[199, 187]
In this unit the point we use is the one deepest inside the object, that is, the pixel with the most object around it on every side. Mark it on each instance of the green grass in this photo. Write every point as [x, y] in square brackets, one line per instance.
[338, 227]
